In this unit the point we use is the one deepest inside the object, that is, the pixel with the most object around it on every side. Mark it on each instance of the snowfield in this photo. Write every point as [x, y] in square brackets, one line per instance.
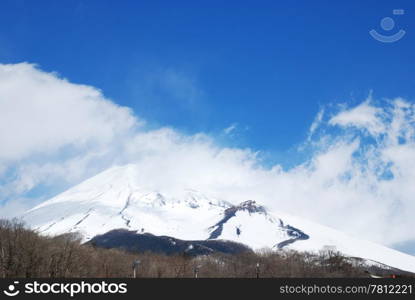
[114, 199]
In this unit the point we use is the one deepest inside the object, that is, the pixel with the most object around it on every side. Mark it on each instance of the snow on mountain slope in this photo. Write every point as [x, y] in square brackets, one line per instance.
[114, 199]
[250, 224]
[322, 236]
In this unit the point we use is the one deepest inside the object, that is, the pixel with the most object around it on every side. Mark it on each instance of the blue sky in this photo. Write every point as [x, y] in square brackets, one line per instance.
[268, 66]
[248, 75]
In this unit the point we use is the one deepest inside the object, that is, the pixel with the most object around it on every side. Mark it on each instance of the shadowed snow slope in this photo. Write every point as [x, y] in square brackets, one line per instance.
[114, 199]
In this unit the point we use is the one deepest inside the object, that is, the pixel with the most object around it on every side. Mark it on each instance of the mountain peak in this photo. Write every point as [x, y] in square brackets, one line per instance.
[251, 206]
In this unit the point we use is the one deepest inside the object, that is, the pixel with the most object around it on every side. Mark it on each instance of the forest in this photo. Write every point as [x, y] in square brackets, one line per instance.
[25, 253]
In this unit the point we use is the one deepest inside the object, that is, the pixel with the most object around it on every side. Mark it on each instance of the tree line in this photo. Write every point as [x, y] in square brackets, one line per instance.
[26, 253]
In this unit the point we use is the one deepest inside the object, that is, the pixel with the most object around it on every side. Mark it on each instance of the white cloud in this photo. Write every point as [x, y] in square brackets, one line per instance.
[13, 208]
[41, 113]
[51, 128]
[53, 133]
[364, 116]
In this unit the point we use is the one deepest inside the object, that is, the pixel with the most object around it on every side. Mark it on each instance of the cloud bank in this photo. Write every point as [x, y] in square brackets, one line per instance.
[358, 178]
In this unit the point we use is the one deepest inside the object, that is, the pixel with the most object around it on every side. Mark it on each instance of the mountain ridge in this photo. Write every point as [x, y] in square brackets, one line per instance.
[114, 199]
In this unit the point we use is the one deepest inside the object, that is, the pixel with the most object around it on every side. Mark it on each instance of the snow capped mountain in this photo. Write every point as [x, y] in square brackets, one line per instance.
[114, 199]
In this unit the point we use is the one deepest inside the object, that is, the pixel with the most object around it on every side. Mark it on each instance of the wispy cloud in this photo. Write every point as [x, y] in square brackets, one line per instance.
[230, 129]
[364, 116]
[167, 86]
[316, 123]
[180, 85]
